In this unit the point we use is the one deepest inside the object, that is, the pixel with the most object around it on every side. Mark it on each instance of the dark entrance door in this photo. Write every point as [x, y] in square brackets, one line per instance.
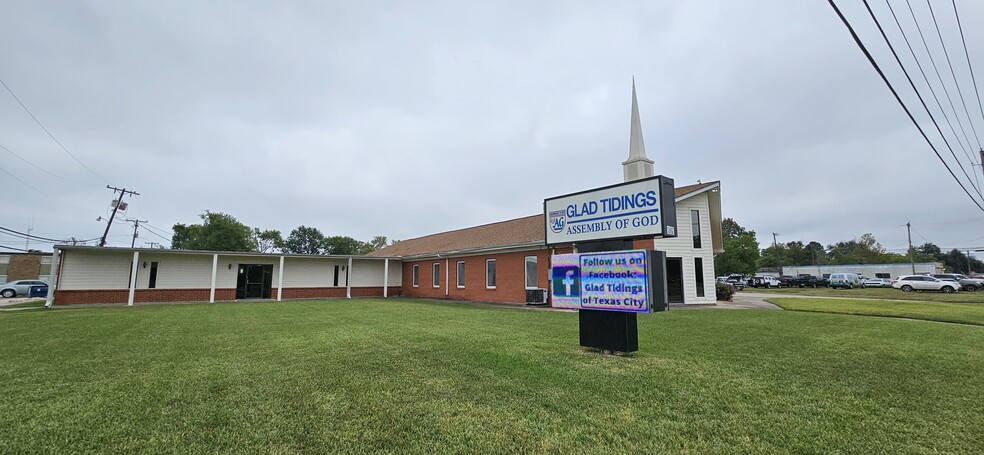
[674, 280]
[255, 281]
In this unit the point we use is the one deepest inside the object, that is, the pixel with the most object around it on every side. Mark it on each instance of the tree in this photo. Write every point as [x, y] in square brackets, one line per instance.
[305, 240]
[218, 232]
[376, 243]
[341, 245]
[953, 261]
[741, 250]
[268, 241]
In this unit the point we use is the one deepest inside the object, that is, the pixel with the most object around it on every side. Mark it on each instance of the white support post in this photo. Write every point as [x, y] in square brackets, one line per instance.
[447, 273]
[215, 269]
[53, 278]
[133, 277]
[280, 281]
[348, 280]
[386, 275]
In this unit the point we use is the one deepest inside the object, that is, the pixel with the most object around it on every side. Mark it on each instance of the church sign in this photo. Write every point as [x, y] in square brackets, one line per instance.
[612, 281]
[637, 209]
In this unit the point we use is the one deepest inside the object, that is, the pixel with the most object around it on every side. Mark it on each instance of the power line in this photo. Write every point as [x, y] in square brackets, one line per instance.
[969, 66]
[36, 166]
[939, 76]
[14, 248]
[932, 91]
[29, 236]
[878, 69]
[952, 73]
[49, 132]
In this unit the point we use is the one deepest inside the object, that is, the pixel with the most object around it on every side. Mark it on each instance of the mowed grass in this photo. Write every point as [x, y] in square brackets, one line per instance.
[28, 304]
[877, 293]
[416, 376]
[963, 313]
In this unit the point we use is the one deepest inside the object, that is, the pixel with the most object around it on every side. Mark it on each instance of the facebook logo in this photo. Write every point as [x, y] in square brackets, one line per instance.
[567, 281]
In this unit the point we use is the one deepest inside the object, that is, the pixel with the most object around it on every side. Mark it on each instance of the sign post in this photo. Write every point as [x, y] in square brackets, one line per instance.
[608, 282]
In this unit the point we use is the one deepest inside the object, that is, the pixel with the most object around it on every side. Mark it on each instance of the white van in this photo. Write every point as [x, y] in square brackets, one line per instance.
[846, 280]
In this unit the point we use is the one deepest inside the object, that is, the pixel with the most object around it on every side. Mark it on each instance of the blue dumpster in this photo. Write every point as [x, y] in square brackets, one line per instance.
[39, 291]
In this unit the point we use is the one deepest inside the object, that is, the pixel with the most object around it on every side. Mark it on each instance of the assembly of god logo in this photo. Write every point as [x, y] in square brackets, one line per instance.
[557, 221]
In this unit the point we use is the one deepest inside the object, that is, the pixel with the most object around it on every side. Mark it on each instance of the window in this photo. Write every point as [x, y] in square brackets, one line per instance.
[695, 227]
[153, 275]
[461, 274]
[531, 272]
[436, 276]
[883, 275]
[699, 275]
[416, 275]
[490, 273]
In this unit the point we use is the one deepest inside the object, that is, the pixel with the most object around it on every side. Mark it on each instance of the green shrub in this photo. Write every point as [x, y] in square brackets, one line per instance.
[724, 291]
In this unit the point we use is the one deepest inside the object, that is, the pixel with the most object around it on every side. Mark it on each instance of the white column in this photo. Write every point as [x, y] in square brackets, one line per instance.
[215, 268]
[386, 275]
[280, 281]
[133, 277]
[53, 278]
[446, 275]
[348, 280]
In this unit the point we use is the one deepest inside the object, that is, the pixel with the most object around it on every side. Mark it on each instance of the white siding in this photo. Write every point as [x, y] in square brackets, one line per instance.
[176, 272]
[108, 269]
[95, 270]
[370, 273]
[312, 272]
[682, 246]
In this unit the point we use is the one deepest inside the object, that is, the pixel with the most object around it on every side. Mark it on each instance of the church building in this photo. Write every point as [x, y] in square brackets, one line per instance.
[497, 262]
[500, 262]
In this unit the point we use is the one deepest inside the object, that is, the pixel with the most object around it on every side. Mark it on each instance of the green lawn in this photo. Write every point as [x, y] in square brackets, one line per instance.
[878, 293]
[964, 313]
[28, 304]
[415, 376]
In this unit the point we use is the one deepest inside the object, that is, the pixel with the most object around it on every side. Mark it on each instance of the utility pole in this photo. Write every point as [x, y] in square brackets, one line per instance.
[912, 260]
[116, 207]
[136, 224]
[982, 160]
[775, 241]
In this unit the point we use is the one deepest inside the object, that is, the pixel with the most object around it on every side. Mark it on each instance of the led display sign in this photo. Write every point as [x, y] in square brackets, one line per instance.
[613, 281]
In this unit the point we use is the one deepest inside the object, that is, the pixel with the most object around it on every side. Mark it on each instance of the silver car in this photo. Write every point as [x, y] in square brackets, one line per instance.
[19, 288]
[877, 283]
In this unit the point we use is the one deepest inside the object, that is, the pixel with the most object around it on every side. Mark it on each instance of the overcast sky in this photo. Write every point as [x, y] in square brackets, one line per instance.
[410, 118]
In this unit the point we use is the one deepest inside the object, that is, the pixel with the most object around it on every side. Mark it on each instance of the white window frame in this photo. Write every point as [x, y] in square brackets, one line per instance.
[487, 261]
[415, 275]
[459, 271]
[536, 272]
[436, 272]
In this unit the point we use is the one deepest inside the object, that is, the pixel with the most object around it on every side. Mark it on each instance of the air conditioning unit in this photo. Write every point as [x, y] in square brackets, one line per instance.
[536, 296]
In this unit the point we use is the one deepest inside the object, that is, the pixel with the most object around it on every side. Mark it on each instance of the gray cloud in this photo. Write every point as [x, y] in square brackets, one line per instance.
[408, 119]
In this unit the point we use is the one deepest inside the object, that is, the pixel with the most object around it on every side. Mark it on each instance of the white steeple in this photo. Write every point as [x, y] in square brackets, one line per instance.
[638, 166]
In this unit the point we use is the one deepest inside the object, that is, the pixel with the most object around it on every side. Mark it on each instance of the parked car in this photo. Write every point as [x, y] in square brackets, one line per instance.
[19, 288]
[909, 283]
[738, 283]
[766, 282]
[877, 283]
[809, 281]
[846, 281]
[966, 284]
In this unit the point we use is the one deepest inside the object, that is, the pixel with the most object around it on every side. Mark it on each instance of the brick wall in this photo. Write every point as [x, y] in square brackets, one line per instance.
[510, 277]
[23, 267]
